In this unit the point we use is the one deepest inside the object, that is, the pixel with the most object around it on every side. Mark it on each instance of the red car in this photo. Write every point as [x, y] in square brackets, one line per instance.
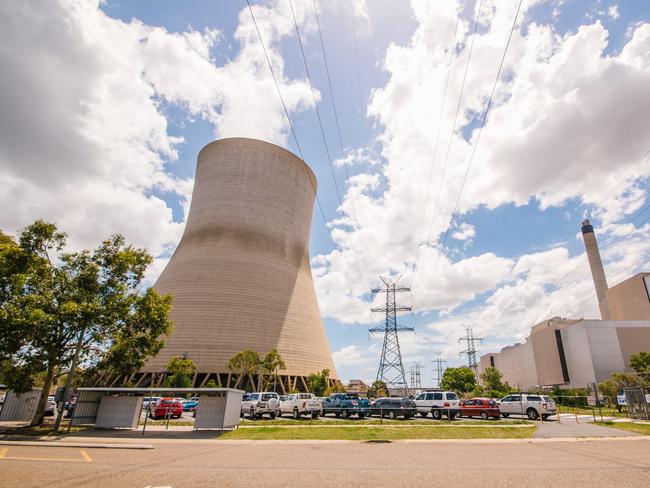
[166, 407]
[480, 407]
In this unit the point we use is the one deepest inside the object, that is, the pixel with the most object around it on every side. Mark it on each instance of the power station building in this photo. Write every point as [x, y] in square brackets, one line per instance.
[573, 353]
[240, 276]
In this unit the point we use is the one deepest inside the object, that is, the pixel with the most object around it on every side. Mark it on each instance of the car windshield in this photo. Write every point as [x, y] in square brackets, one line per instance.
[547, 399]
[268, 396]
[352, 396]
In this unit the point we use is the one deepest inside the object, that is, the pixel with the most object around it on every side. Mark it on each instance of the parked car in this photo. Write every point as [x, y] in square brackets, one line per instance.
[393, 408]
[299, 404]
[166, 408]
[439, 403]
[149, 401]
[532, 405]
[191, 404]
[50, 406]
[345, 405]
[480, 407]
[259, 403]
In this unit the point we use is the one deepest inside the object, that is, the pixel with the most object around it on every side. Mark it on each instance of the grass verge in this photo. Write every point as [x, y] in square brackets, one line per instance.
[630, 427]
[377, 433]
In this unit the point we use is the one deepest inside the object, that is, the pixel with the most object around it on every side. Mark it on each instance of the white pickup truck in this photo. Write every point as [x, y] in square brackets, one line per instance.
[299, 404]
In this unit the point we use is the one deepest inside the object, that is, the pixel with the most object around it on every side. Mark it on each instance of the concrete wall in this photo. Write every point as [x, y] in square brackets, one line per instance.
[628, 300]
[241, 277]
[516, 364]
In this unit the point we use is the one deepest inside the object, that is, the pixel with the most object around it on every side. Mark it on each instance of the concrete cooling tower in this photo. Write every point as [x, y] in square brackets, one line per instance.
[240, 277]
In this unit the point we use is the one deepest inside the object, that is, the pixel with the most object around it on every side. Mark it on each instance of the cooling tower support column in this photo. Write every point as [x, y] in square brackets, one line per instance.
[596, 265]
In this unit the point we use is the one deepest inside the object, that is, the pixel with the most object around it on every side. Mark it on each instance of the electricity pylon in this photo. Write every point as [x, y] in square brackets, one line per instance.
[391, 368]
[471, 351]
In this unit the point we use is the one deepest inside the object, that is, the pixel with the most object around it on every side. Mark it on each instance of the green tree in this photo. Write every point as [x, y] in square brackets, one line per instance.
[271, 365]
[244, 363]
[59, 310]
[461, 380]
[493, 380]
[641, 364]
[181, 373]
[318, 382]
[377, 389]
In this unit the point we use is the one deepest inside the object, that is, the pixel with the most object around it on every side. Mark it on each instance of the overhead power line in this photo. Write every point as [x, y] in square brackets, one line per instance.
[443, 103]
[478, 137]
[313, 96]
[453, 126]
[286, 113]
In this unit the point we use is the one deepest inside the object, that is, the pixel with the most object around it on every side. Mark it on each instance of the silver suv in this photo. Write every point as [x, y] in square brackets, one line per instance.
[532, 405]
[257, 404]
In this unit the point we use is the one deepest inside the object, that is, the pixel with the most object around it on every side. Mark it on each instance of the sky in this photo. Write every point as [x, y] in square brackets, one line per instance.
[462, 145]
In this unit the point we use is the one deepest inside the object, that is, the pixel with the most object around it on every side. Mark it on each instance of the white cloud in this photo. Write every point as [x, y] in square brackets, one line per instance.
[85, 140]
[464, 232]
[612, 12]
[567, 121]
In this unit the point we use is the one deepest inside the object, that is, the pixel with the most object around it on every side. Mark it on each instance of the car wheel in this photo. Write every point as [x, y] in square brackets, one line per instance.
[451, 416]
[279, 413]
[272, 415]
[322, 413]
[505, 415]
[484, 415]
[362, 416]
[437, 414]
[460, 415]
[545, 417]
[532, 414]
[296, 414]
[345, 414]
[424, 414]
[314, 415]
[251, 414]
[337, 414]
[391, 415]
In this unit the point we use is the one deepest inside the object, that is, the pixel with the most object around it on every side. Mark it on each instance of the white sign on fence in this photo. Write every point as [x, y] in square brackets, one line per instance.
[621, 400]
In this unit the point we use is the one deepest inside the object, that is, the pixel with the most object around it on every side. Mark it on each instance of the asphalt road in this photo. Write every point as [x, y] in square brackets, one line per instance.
[619, 463]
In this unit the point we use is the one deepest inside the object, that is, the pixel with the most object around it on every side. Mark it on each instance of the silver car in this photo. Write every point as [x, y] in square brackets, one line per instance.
[532, 405]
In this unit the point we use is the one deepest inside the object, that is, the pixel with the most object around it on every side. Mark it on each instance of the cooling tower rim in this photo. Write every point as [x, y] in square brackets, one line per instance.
[226, 140]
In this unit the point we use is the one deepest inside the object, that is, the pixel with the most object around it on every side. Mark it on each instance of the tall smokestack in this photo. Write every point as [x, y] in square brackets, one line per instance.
[596, 265]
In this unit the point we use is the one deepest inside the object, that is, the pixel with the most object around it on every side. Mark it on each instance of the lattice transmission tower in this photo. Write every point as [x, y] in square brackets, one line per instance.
[471, 350]
[391, 368]
[438, 369]
[416, 377]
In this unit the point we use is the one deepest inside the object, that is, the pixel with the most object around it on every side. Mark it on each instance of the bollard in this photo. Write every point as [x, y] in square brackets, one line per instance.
[557, 407]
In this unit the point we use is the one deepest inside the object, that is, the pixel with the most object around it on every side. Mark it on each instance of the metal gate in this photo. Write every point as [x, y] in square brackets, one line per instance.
[20, 408]
[637, 403]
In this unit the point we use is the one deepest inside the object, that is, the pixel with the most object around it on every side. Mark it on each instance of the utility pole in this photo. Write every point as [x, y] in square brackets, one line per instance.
[391, 368]
[416, 377]
[439, 370]
[471, 351]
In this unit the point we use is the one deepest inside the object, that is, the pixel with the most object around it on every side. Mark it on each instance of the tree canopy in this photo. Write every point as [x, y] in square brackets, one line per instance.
[318, 382]
[54, 303]
[461, 380]
[181, 372]
[641, 364]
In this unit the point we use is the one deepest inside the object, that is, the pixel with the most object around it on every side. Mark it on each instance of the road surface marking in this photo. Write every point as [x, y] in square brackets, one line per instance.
[84, 455]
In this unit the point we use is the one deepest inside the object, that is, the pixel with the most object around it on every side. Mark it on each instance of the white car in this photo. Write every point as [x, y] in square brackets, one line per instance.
[299, 404]
[50, 407]
[259, 403]
[439, 403]
[532, 405]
